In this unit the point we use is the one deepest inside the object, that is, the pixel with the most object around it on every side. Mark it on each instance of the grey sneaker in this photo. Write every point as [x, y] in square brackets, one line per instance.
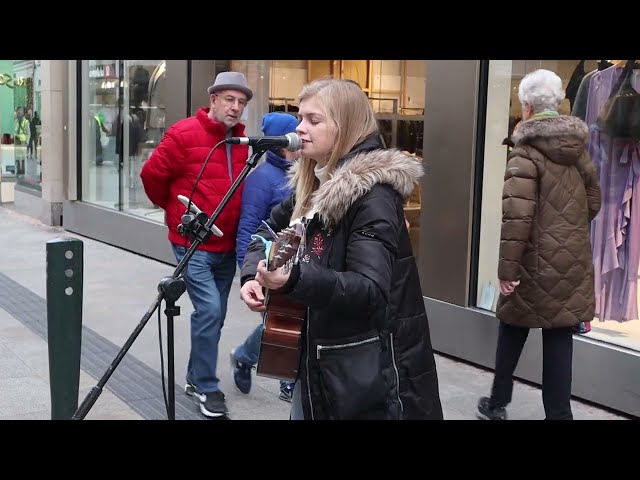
[213, 405]
[191, 390]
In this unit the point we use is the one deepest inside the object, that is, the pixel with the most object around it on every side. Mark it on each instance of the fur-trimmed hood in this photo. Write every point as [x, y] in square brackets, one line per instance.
[561, 139]
[357, 175]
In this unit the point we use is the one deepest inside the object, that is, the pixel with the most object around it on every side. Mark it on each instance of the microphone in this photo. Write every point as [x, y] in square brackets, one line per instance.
[290, 141]
[196, 211]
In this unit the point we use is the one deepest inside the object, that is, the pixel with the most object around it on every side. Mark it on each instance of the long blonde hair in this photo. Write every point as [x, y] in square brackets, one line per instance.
[346, 105]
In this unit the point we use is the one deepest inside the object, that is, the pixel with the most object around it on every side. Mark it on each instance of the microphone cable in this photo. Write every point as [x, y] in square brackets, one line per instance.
[204, 165]
[164, 388]
[193, 190]
[186, 239]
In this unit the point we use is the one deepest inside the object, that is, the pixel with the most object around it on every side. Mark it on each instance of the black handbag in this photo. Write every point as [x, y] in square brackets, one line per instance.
[620, 115]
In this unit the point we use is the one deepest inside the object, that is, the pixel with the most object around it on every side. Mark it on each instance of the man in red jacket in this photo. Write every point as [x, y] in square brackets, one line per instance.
[172, 170]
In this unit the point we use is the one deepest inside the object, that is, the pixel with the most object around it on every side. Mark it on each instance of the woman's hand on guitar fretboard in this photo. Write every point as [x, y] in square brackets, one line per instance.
[273, 280]
[285, 248]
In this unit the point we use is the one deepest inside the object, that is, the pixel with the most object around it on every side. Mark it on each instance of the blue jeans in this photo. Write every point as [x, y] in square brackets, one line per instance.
[208, 278]
[248, 352]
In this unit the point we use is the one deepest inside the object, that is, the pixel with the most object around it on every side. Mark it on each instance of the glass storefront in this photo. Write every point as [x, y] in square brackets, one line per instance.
[100, 165]
[143, 129]
[122, 122]
[20, 121]
[615, 232]
[396, 89]
[455, 226]
[113, 151]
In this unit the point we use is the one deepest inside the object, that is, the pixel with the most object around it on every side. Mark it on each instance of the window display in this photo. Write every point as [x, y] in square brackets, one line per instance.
[100, 95]
[113, 150]
[138, 136]
[613, 115]
[396, 90]
[614, 147]
[124, 116]
[20, 100]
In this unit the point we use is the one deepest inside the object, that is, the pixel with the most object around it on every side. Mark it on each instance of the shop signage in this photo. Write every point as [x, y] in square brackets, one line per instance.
[107, 85]
[102, 71]
[8, 81]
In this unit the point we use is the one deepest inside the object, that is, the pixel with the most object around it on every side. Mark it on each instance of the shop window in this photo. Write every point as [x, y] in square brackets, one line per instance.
[20, 101]
[396, 90]
[412, 214]
[287, 77]
[123, 120]
[139, 130]
[101, 94]
[588, 84]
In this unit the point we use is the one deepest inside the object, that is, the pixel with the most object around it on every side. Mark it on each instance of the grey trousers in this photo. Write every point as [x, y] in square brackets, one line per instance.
[296, 403]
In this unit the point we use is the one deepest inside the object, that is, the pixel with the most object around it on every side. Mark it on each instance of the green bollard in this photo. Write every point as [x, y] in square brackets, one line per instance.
[64, 323]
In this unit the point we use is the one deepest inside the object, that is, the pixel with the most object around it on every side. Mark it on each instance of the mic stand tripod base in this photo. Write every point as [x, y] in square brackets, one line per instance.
[171, 289]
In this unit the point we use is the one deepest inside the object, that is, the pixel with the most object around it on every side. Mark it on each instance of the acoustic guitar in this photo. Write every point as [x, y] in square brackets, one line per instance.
[280, 347]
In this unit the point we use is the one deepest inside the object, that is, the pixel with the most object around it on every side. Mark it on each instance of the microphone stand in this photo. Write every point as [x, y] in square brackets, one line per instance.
[170, 289]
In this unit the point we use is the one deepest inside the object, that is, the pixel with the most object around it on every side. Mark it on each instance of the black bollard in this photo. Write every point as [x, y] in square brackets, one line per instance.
[64, 323]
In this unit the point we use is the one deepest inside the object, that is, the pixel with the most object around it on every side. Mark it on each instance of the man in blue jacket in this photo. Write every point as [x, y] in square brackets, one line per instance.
[264, 188]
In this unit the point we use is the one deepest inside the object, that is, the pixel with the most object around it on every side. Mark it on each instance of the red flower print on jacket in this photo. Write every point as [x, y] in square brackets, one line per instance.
[317, 244]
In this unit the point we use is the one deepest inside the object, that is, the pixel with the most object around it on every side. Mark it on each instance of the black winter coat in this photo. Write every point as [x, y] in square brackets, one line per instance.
[366, 349]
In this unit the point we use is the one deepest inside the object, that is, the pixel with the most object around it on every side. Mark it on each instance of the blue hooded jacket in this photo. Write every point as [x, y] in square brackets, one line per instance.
[266, 186]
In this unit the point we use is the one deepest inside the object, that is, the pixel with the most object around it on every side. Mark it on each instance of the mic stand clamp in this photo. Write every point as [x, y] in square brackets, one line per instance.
[195, 226]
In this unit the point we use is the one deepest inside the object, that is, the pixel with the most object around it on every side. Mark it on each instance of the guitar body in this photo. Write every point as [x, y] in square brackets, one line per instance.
[280, 347]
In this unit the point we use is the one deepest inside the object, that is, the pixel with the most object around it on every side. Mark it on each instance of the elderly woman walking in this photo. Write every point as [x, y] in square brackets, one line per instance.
[545, 269]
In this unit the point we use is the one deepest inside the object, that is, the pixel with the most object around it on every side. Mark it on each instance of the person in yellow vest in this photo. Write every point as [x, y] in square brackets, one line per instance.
[20, 138]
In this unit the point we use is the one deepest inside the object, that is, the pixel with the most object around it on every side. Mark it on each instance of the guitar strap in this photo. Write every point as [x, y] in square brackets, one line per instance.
[267, 246]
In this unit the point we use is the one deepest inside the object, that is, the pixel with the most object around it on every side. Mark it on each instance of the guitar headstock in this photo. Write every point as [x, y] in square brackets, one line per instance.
[285, 247]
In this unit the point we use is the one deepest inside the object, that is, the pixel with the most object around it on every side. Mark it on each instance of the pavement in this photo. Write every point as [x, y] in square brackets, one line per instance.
[119, 288]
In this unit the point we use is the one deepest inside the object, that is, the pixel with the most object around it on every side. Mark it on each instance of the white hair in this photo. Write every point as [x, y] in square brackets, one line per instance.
[542, 89]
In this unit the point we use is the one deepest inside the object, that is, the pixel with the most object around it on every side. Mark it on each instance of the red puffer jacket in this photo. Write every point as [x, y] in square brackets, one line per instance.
[173, 168]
